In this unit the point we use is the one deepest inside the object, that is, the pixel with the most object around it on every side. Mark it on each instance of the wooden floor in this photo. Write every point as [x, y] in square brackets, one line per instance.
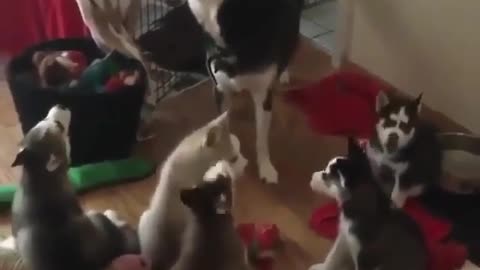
[295, 150]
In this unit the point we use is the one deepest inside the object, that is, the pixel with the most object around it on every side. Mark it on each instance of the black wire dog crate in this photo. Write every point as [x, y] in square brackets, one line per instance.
[169, 34]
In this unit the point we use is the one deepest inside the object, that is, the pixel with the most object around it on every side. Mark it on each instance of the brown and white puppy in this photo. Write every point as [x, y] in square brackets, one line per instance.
[372, 233]
[49, 226]
[405, 152]
[211, 240]
[162, 225]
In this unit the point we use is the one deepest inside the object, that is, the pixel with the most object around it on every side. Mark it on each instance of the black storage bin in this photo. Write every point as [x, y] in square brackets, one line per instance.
[103, 125]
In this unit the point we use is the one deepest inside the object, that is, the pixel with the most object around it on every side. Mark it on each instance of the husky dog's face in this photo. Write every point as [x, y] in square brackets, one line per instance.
[397, 119]
[46, 144]
[223, 145]
[213, 196]
[343, 174]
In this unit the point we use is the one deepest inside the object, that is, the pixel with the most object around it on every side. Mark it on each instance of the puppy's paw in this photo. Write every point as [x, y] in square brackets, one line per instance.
[267, 172]
[114, 218]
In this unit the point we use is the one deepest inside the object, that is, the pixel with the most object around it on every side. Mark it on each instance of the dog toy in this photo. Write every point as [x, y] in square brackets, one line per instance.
[443, 254]
[342, 104]
[122, 79]
[261, 242]
[90, 176]
[98, 73]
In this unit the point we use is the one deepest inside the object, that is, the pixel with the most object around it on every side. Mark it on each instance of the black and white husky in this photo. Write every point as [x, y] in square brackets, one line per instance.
[373, 234]
[405, 152]
[249, 46]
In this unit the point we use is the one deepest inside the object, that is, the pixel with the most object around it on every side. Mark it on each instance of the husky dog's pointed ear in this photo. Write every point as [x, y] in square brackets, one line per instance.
[354, 149]
[217, 131]
[418, 102]
[382, 100]
[20, 157]
[212, 137]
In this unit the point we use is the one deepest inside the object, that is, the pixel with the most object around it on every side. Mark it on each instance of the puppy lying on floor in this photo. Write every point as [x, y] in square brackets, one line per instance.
[373, 233]
[50, 229]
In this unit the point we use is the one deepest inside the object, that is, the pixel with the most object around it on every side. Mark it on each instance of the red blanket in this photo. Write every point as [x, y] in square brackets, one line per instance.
[443, 254]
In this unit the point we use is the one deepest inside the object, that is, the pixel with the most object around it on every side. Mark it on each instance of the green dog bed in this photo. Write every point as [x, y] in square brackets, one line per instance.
[95, 175]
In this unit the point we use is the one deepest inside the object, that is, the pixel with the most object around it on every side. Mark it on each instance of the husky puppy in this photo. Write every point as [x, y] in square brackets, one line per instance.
[372, 233]
[49, 227]
[249, 46]
[405, 152]
[162, 225]
[210, 240]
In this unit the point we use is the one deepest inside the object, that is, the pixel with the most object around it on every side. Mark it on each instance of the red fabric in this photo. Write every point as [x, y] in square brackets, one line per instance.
[24, 23]
[443, 255]
[262, 241]
[340, 104]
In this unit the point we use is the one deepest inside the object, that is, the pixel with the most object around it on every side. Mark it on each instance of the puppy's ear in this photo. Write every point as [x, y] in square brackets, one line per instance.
[355, 152]
[189, 196]
[382, 101]
[21, 157]
[212, 137]
[418, 102]
[218, 130]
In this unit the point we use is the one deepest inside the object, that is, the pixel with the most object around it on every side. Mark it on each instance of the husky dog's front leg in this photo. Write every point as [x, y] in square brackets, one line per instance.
[263, 115]
[338, 258]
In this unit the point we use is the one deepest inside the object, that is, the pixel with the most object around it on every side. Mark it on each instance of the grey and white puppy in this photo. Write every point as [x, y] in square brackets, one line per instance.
[162, 225]
[405, 152]
[210, 240]
[373, 234]
[49, 226]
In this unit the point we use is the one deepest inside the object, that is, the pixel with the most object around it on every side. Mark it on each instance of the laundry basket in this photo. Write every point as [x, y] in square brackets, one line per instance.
[103, 125]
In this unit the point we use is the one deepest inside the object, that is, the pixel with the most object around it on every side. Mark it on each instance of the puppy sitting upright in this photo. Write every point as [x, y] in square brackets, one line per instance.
[372, 234]
[50, 229]
[162, 225]
[211, 241]
[405, 152]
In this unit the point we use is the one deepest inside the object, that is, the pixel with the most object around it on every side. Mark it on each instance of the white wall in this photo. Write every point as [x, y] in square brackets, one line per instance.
[431, 46]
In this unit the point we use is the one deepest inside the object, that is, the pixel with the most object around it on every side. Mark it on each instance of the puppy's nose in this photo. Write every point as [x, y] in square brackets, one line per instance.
[392, 142]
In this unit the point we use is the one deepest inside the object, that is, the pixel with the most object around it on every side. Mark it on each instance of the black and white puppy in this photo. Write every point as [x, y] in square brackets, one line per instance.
[372, 233]
[48, 224]
[405, 152]
[211, 241]
[249, 46]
